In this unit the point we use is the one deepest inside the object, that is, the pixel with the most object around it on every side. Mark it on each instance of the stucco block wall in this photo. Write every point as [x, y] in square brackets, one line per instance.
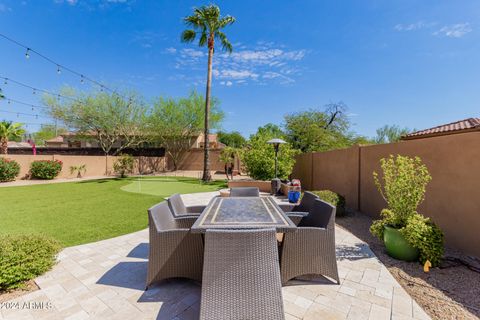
[452, 198]
[95, 165]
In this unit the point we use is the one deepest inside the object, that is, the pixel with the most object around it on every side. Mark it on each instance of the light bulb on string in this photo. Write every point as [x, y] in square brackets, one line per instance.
[34, 91]
[9, 101]
[27, 54]
[58, 69]
[82, 81]
[5, 81]
[36, 116]
[33, 109]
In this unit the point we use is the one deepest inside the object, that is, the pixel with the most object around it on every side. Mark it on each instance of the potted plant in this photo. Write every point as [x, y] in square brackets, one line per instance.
[407, 234]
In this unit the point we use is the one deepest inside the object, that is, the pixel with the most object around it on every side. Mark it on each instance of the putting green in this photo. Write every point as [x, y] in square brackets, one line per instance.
[166, 186]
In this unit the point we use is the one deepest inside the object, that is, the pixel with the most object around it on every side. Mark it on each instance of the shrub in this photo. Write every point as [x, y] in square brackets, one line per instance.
[334, 199]
[259, 158]
[123, 165]
[9, 169]
[404, 185]
[45, 169]
[24, 257]
[78, 169]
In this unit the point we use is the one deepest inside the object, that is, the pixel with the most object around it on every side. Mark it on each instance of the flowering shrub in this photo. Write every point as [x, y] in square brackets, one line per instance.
[9, 169]
[45, 169]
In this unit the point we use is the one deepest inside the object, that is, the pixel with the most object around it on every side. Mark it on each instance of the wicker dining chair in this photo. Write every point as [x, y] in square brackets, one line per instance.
[179, 209]
[241, 276]
[310, 251]
[244, 192]
[174, 252]
[305, 205]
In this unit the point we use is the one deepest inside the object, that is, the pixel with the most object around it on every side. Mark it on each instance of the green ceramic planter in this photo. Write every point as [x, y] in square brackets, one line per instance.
[397, 246]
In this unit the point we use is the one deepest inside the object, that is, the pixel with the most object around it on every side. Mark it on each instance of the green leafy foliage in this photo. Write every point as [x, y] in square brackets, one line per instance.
[9, 169]
[334, 199]
[424, 235]
[259, 157]
[404, 186]
[24, 257]
[388, 134]
[176, 123]
[9, 131]
[45, 169]
[316, 130]
[47, 132]
[80, 169]
[124, 165]
[232, 139]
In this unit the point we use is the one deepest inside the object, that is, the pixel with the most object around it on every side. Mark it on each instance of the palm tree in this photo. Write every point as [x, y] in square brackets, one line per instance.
[9, 130]
[207, 22]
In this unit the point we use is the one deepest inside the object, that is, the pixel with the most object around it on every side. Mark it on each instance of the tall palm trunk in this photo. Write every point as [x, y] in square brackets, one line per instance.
[3, 146]
[206, 147]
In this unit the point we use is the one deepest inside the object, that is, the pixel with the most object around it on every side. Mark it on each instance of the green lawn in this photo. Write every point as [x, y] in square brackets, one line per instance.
[82, 212]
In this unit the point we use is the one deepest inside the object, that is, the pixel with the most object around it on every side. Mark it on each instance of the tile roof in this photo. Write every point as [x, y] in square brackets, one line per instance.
[470, 124]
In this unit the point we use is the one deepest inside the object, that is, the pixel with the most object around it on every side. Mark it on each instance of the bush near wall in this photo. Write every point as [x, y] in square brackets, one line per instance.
[9, 169]
[334, 199]
[45, 169]
[24, 257]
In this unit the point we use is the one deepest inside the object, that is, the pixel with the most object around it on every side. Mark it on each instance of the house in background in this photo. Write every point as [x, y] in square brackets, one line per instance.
[462, 126]
[73, 140]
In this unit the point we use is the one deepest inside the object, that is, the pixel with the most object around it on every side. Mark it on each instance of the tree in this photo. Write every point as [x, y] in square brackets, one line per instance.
[231, 139]
[47, 132]
[390, 133]
[207, 21]
[259, 157]
[176, 124]
[8, 131]
[110, 119]
[315, 130]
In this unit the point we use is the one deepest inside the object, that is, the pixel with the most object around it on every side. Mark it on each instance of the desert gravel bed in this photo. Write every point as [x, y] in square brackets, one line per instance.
[451, 291]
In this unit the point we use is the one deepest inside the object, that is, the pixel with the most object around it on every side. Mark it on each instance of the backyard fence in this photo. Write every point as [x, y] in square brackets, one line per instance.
[452, 198]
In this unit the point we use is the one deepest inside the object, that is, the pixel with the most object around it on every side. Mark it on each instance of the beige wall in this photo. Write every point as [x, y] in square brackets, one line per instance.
[95, 164]
[453, 195]
[193, 160]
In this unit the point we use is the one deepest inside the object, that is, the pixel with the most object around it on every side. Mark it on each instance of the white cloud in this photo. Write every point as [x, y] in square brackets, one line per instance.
[414, 26]
[265, 62]
[4, 8]
[454, 31]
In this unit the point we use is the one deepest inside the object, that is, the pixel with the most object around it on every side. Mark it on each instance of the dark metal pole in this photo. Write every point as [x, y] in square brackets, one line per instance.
[276, 159]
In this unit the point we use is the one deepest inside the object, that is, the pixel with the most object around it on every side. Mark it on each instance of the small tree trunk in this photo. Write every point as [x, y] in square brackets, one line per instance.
[106, 164]
[206, 159]
[3, 146]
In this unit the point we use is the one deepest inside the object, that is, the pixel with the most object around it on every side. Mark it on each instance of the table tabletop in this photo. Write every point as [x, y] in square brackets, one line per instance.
[243, 213]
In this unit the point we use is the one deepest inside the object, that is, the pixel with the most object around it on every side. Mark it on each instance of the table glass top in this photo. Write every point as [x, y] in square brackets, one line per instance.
[244, 212]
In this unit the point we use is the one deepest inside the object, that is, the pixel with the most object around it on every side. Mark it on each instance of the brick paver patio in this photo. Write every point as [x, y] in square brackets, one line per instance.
[106, 280]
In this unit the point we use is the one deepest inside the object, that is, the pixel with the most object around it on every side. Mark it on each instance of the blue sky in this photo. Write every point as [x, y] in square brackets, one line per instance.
[411, 63]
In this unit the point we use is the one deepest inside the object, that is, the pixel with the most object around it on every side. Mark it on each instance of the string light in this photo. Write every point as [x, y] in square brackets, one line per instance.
[5, 82]
[25, 104]
[35, 90]
[59, 66]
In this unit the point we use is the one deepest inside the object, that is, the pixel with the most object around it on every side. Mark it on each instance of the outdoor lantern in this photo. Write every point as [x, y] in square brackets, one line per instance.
[276, 182]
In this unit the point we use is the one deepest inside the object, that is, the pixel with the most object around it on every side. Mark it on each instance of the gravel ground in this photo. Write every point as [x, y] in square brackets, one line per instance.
[29, 286]
[451, 291]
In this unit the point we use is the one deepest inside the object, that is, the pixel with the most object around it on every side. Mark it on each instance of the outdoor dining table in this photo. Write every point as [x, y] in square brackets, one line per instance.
[243, 213]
